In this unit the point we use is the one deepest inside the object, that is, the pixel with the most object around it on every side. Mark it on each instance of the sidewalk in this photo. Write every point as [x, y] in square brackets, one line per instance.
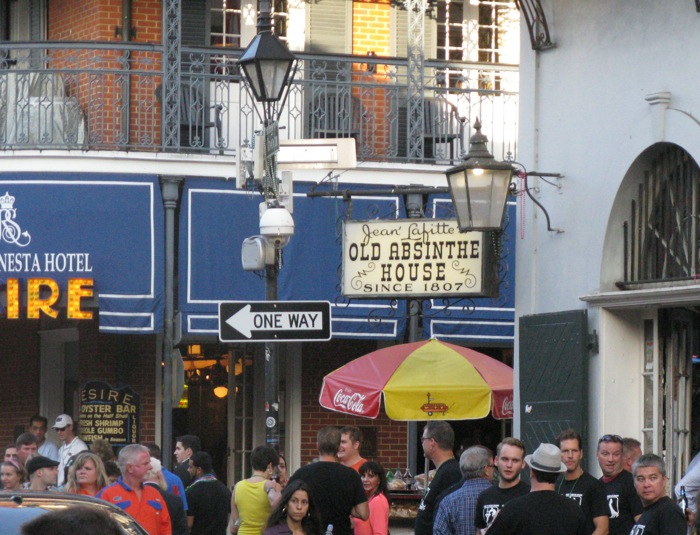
[402, 526]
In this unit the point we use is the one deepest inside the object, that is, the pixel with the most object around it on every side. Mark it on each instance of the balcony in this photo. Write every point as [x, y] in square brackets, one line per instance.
[110, 97]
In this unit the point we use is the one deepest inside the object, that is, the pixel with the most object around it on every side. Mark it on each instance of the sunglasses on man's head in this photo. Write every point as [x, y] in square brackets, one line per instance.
[611, 438]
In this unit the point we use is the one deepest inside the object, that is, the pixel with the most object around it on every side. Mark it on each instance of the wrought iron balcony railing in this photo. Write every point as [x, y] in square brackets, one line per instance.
[108, 96]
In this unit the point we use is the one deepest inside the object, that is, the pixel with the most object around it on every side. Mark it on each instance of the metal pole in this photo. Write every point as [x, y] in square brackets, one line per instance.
[170, 188]
[264, 16]
[272, 430]
[414, 209]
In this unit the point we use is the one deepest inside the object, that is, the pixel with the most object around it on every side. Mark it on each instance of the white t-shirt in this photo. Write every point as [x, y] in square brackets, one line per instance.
[65, 452]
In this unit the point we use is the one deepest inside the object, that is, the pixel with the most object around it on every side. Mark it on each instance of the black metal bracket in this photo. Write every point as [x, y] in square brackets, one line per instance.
[119, 32]
[537, 23]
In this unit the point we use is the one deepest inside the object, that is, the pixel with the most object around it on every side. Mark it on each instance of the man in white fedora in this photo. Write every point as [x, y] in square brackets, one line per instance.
[543, 511]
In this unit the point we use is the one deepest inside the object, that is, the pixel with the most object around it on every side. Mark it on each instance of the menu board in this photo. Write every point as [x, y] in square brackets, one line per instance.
[112, 414]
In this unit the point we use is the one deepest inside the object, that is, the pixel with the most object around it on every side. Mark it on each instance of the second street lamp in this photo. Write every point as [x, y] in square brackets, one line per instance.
[480, 186]
[267, 67]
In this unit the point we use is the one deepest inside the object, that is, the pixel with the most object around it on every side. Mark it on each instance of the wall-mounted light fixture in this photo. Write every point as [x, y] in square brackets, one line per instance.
[481, 185]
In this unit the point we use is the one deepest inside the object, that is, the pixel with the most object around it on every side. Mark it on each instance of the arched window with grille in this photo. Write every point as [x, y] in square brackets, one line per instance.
[661, 232]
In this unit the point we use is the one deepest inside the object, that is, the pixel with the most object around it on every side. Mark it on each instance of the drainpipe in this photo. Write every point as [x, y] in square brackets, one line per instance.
[414, 203]
[125, 113]
[170, 189]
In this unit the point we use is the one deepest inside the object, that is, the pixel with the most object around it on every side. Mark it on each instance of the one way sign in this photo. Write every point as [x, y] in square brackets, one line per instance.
[274, 321]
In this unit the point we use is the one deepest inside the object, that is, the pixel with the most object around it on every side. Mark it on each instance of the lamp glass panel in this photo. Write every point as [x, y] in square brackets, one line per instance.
[274, 74]
[488, 192]
[458, 188]
[251, 74]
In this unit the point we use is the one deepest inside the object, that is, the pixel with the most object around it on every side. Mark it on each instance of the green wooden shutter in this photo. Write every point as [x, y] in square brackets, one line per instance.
[330, 27]
[4, 20]
[36, 19]
[553, 367]
[195, 31]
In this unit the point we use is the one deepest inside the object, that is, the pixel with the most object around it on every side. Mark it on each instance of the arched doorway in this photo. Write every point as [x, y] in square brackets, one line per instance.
[651, 250]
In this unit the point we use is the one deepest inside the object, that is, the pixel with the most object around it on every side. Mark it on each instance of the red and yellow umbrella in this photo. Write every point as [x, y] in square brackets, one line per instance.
[421, 381]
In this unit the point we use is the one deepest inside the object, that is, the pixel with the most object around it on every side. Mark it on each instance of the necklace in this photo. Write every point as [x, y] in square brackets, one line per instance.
[572, 486]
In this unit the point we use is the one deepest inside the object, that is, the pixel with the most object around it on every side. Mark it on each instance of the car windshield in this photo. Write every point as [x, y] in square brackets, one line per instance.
[10, 524]
[16, 510]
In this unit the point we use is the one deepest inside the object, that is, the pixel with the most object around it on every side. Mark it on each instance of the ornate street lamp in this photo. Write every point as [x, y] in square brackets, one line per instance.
[267, 67]
[480, 186]
[266, 64]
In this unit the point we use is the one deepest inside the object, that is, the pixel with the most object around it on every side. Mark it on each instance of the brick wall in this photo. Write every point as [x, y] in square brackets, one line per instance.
[101, 357]
[320, 359]
[96, 20]
[19, 383]
[370, 34]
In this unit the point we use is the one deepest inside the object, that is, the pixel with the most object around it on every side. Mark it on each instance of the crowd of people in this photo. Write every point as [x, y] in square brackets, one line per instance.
[321, 498]
[341, 493]
[466, 498]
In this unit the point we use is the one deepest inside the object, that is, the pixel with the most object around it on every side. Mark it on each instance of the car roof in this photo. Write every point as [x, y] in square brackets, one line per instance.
[26, 505]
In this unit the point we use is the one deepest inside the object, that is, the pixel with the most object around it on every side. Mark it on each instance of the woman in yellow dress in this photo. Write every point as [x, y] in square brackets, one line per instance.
[254, 498]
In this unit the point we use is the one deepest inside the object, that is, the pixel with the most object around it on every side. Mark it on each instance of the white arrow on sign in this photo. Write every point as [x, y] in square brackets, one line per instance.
[245, 321]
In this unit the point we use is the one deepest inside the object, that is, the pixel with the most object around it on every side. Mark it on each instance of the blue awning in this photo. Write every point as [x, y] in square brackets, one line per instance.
[105, 227]
[216, 217]
[479, 321]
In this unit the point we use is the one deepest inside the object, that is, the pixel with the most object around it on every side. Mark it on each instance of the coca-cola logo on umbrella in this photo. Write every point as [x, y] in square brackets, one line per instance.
[352, 402]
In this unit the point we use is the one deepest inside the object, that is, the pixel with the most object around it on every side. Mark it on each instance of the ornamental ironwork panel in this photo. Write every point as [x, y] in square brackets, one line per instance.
[661, 234]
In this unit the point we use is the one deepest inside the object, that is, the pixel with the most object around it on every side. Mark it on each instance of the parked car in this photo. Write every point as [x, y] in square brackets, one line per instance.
[18, 507]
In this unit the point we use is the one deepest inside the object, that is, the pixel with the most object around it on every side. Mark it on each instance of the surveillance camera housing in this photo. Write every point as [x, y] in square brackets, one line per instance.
[277, 226]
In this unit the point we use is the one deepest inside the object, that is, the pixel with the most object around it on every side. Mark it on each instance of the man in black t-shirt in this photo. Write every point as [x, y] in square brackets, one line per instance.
[624, 505]
[208, 499]
[580, 486]
[542, 511]
[336, 490]
[510, 460]
[438, 440]
[661, 515]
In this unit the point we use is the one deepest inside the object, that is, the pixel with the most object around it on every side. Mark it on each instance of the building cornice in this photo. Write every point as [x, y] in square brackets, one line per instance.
[650, 297]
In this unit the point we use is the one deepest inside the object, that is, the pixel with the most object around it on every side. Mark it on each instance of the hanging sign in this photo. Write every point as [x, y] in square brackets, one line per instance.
[112, 414]
[418, 258]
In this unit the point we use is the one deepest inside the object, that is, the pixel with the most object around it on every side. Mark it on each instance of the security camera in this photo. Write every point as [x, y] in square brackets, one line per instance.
[277, 226]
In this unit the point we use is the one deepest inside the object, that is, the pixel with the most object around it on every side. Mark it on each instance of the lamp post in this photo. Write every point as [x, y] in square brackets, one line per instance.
[479, 186]
[267, 66]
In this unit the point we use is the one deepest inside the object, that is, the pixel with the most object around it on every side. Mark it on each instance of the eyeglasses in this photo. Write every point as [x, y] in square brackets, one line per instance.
[611, 438]
[425, 438]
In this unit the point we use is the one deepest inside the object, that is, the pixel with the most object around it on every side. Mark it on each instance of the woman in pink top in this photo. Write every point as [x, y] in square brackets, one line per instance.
[374, 482]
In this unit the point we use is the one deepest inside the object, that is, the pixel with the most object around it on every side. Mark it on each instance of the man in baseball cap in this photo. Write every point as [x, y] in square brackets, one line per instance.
[71, 443]
[42, 473]
[542, 511]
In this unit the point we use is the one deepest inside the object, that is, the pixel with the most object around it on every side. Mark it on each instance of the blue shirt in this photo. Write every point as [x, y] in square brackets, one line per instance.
[456, 512]
[175, 485]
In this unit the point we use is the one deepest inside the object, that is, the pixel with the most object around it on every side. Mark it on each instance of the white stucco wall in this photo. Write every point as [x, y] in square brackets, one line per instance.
[584, 114]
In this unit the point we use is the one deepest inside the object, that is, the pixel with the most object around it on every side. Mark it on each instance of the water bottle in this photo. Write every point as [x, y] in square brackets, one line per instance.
[408, 478]
[397, 475]
[683, 502]
[329, 529]
[389, 476]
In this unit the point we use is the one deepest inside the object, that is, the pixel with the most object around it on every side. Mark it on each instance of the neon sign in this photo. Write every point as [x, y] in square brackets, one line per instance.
[43, 293]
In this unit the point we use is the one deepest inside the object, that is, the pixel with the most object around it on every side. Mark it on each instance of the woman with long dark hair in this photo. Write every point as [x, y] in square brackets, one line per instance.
[295, 513]
[375, 485]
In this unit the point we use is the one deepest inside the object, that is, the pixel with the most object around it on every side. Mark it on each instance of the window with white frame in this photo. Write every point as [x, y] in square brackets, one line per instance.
[229, 16]
[478, 30]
